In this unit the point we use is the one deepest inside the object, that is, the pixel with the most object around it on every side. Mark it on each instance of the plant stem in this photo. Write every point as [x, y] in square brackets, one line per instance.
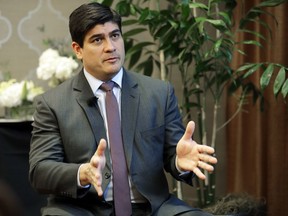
[162, 65]
[239, 108]
[179, 190]
[214, 127]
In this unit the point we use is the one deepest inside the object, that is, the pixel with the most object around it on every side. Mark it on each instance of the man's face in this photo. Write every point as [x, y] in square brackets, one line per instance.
[103, 51]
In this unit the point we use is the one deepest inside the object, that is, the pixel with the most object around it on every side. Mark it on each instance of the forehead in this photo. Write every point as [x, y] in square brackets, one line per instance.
[105, 28]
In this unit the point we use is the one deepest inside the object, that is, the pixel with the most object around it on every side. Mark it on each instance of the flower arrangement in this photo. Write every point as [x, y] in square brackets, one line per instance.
[55, 68]
[17, 97]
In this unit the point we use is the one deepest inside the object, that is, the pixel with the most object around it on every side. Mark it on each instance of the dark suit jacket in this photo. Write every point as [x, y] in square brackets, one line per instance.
[68, 126]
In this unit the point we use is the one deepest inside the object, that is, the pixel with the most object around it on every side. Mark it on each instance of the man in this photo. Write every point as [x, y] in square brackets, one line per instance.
[70, 156]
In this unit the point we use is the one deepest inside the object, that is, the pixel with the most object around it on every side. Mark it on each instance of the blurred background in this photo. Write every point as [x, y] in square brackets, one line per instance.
[252, 150]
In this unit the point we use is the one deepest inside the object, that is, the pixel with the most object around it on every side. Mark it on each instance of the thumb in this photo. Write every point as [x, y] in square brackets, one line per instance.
[189, 130]
[101, 147]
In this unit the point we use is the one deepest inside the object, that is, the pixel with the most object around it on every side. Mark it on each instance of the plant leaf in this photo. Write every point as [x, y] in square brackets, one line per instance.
[226, 17]
[146, 66]
[123, 8]
[134, 32]
[253, 32]
[253, 42]
[252, 70]
[279, 81]
[129, 22]
[107, 2]
[271, 3]
[148, 69]
[284, 90]
[217, 45]
[185, 10]
[162, 31]
[135, 58]
[198, 5]
[245, 67]
[266, 76]
[217, 22]
[136, 48]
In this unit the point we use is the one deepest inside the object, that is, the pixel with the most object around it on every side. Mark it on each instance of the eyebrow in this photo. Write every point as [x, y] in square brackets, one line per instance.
[101, 34]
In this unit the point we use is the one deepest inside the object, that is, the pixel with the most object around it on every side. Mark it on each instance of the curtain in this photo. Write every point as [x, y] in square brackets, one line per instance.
[257, 141]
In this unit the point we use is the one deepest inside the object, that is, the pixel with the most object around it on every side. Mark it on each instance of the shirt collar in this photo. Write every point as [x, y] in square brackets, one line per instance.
[96, 83]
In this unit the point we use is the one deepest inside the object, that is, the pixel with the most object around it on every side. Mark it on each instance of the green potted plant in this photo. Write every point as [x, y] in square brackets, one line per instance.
[196, 40]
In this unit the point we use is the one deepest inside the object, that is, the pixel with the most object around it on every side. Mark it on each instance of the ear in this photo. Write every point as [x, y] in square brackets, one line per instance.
[77, 50]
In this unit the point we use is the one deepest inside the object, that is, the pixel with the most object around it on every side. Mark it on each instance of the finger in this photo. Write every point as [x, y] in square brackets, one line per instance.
[198, 172]
[101, 148]
[98, 189]
[206, 149]
[96, 180]
[189, 130]
[208, 158]
[205, 166]
[97, 185]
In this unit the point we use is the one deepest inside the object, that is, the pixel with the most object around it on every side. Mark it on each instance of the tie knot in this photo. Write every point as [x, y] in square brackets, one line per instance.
[108, 86]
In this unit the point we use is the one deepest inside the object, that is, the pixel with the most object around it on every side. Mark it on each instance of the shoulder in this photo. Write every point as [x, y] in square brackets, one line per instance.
[146, 81]
[58, 94]
[76, 83]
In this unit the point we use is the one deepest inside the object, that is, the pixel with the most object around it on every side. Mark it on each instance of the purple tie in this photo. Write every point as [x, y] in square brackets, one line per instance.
[121, 189]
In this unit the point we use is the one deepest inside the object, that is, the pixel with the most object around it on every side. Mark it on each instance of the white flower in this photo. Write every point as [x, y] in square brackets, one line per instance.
[47, 64]
[12, 95]
[32, 91]
[48, 55]
[46, 70]
[65, 68]
[54, 67]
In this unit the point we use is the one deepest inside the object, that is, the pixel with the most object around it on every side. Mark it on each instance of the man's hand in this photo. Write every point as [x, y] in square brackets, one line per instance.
[91, 173]
[192, 156]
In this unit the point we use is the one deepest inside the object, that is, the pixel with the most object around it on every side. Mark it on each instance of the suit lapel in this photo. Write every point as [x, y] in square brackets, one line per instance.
[129, 110]
[88, 102]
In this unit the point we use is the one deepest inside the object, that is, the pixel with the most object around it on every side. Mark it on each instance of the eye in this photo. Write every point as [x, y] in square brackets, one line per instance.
[115, 36]
[97, 40]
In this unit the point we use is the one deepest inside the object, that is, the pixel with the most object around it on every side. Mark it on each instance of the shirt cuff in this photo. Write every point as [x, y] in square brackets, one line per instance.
[181, 172]
[78, 179]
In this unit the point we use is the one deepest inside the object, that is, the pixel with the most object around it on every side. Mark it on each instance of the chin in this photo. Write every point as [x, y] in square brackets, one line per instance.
[110, 74]
[114, 70]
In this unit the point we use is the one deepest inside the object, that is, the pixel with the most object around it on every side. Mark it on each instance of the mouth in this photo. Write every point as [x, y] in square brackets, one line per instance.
[112, 59]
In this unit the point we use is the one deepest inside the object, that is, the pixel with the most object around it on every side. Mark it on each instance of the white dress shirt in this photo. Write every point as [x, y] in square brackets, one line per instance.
[94, 83]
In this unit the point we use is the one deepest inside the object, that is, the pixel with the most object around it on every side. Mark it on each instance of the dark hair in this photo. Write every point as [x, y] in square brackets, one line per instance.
[85, 17]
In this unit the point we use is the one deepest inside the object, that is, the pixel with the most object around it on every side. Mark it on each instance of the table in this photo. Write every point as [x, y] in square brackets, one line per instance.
[14, 163]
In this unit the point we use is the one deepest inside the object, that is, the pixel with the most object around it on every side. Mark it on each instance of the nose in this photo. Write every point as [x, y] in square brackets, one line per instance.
[109, 46]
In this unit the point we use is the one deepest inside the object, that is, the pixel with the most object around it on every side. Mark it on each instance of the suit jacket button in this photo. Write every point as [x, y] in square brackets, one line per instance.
[107, 175]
